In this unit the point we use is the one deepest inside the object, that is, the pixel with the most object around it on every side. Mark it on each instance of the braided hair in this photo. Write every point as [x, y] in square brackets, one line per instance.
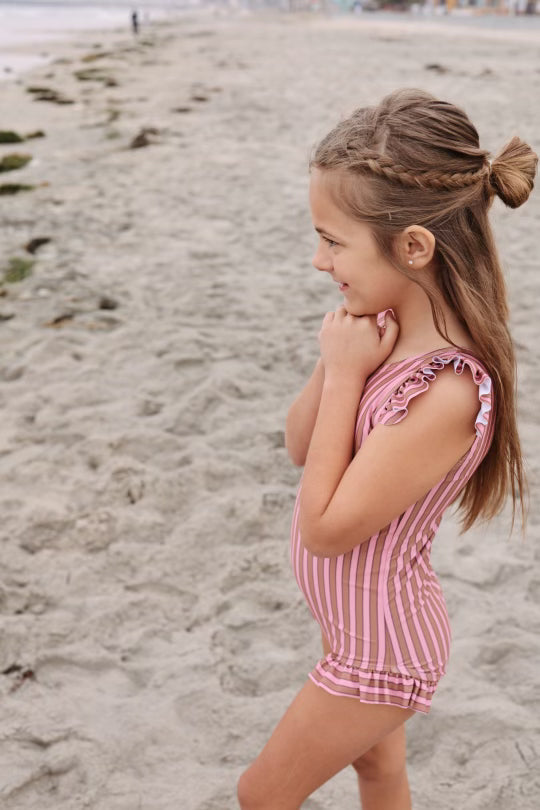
[384, 166]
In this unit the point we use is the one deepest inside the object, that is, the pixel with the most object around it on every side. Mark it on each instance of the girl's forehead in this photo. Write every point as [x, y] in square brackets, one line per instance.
[324, 197]
[333, 185]
[321, 179]
[322, 188]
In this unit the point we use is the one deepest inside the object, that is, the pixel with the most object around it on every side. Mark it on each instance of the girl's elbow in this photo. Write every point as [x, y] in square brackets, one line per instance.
[322, 552]
[321, 543]
[316, 549]
[296, 454]
[318, 542]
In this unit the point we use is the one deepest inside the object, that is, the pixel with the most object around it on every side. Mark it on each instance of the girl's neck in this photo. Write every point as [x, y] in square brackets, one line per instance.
[417, 332]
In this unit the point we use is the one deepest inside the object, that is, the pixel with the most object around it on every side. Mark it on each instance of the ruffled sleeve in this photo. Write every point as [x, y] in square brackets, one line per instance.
[394, 406]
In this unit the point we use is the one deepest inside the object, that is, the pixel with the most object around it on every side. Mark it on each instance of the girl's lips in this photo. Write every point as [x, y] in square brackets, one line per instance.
[343, 286]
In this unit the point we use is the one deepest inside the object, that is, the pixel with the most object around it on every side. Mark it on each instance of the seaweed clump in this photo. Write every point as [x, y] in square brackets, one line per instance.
[9, 136]
[10, 163]
[95, 75]
[34, 244]
[17, 269]
[93, 57]
[14, 188]
[48, 94]
[144, 138]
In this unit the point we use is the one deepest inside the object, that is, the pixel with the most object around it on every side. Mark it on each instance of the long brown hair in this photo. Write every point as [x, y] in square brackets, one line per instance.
[416, 160]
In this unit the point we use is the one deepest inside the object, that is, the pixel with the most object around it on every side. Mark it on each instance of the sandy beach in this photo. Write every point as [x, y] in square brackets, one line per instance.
[152, 633]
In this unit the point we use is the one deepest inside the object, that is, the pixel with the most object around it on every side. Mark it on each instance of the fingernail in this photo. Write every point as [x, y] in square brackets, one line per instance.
[381, 317]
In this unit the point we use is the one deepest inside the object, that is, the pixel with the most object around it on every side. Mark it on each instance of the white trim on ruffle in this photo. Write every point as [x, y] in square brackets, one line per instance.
[428, 374]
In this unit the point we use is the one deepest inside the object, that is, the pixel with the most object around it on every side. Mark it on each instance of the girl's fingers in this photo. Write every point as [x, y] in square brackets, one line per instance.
[390, 334]
[328, 318]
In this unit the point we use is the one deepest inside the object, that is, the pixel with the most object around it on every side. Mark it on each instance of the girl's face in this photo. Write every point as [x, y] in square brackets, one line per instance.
[347, 251]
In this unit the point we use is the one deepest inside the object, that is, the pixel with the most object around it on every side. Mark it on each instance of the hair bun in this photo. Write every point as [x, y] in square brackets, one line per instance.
[513, 171]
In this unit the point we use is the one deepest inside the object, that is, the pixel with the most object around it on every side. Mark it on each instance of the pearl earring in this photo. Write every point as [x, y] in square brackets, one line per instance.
[410, 261]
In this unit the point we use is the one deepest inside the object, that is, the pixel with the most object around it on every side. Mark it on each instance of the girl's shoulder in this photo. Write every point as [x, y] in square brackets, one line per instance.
[394, 385]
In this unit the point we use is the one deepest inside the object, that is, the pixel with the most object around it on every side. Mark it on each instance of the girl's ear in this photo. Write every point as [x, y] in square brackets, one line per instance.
[417, 246]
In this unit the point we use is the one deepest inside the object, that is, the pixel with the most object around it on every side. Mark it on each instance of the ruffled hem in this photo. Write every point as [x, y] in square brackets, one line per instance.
[396, 406]
[371, 686]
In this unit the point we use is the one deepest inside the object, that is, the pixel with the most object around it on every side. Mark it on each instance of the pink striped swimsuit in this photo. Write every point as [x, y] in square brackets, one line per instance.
[380, 605]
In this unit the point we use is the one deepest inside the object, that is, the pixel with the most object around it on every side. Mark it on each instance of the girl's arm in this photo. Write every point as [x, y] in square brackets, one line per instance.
[346, 499]
[302, 416]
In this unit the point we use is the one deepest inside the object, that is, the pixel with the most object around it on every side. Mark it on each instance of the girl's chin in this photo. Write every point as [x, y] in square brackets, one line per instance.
[356, 310]
[352, 310]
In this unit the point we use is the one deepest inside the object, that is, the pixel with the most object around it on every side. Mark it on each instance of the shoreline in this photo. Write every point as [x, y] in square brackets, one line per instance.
[20, 57]
[50, 27]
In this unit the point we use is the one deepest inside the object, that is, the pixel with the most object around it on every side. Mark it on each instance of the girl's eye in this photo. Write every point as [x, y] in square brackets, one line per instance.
[329, 242]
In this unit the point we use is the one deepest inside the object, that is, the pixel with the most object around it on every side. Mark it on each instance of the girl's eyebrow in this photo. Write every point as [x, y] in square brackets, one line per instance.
[323, 232]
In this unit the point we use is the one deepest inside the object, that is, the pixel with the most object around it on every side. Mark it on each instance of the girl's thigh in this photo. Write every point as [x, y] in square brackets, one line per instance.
[318, 736]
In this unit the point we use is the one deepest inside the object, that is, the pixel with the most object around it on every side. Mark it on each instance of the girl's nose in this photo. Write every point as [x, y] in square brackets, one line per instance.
[321, 260]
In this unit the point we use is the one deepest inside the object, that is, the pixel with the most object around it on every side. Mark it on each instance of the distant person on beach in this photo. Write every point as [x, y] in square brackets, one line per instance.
[410, 408]
[135, 22]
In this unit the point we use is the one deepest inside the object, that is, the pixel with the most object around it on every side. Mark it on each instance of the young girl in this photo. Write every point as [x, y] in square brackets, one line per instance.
[410, 406]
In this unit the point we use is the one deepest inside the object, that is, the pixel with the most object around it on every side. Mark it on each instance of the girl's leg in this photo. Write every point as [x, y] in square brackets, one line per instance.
[382, 774]
[382, 771]
[318, 736]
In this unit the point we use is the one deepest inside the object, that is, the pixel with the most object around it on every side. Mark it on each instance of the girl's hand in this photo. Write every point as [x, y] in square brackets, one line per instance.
[353, 347]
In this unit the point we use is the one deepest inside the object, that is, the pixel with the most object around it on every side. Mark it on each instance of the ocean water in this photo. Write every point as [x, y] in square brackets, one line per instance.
[27, 26]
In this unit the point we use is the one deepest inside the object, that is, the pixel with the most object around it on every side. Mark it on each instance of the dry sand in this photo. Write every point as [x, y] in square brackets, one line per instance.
[152, 632]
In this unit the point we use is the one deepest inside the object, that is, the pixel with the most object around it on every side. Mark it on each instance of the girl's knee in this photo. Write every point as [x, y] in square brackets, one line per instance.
[254, 794]
[249, 792]
[244, 792]
[375, 766]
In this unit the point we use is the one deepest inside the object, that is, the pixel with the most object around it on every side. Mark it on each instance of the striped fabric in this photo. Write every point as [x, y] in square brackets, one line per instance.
[380, 605]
